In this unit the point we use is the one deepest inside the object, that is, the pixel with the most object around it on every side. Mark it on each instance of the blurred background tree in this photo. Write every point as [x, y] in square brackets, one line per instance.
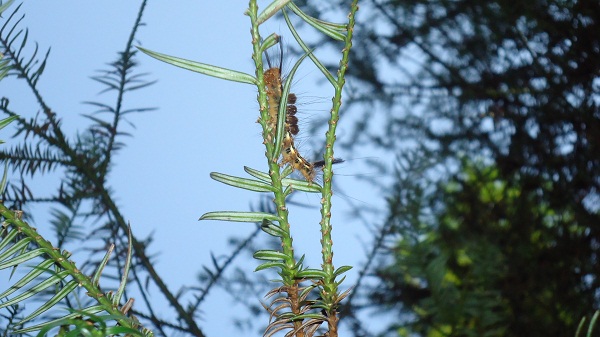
[497, 103]
[494, 260]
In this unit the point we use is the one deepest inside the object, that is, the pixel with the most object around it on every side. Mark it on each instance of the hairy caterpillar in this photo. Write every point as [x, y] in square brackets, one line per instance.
[274, 88]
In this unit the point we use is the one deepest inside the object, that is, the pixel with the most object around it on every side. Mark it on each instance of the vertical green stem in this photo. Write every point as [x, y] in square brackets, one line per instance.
[330, 291]
[274, 170]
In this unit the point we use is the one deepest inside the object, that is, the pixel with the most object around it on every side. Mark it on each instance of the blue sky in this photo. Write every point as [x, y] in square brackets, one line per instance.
[161, 178]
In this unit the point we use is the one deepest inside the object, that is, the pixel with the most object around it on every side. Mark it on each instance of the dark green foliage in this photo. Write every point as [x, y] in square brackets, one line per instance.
[514, 84]
[494, 260]
[531, 67]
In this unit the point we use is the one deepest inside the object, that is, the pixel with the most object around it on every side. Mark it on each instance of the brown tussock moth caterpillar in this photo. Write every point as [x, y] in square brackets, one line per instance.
[288, 150]
[274, 90]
